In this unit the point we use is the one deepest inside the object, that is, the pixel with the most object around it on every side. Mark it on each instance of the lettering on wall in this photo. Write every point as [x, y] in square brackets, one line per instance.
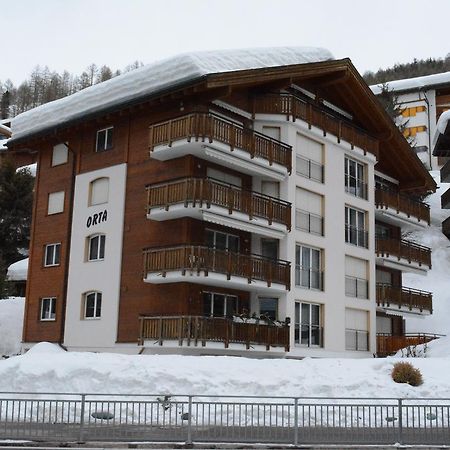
[97, 218]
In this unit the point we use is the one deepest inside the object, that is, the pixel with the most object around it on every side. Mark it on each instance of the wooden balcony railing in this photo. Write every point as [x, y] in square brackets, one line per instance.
[446, 227]
[209, 127]
[195, 330]
[197, 258]
[314, 115]
[385, 198]
[403, 249]
[404, 297]
[199, 191]
[388, 344]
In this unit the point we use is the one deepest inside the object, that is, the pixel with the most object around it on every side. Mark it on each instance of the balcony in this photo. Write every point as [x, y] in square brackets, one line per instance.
[445, 199]
[402, 255]
[214, 201]
[291, 106]
[388, 344]
[445, 172]
[210, 266]
[222, 141]
[192, 331]
[446, 227]
[393, 207]
[404, 299]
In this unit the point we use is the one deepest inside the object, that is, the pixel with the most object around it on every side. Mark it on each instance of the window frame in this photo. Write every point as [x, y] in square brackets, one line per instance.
[225, 303]
[105, 148]
[52, 162]
[268, 299]
[300, 268]
[54, 263]
[355, 229]
[102, 239]
[359, 179]
[51, 310]
[298, 324]
[63, 203]
[91, 192]
[97, 306]
[227, 240]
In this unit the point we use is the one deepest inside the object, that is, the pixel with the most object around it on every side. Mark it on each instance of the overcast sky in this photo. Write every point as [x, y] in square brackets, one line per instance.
[71, 34]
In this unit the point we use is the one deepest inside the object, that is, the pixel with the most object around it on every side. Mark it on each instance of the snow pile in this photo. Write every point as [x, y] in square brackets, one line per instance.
[11, 321]
[157, 77]
[443, 122]
[414, 83]
[18, 271]
[47, 368]
[437, 280]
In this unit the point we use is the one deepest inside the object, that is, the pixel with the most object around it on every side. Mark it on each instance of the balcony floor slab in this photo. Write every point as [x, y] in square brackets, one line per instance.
[393, 262]
[391, 216]
[214, 279]
[393, 308]
[221, 216]
[220, 153]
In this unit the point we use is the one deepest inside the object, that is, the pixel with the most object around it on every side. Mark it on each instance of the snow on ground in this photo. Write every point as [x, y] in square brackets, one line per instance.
[11, 320]
[48, 368]
[437, 280]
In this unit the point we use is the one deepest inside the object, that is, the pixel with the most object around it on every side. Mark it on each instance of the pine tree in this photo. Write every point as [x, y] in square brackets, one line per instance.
[4, 105]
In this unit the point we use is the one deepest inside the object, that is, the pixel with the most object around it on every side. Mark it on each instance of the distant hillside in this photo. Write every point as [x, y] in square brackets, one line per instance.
[417, 68]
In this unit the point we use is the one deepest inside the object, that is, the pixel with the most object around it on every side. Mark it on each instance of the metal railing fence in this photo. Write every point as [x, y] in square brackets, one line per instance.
[223, 419]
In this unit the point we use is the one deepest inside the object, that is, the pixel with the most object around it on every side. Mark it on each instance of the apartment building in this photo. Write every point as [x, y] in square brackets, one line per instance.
[422, 100]
[232, 202]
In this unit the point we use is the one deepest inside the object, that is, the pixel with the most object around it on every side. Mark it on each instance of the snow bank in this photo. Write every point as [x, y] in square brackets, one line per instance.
[18, 271]
[157, 77]
[414, 83]
[443, 122]
[52, 370]
[11, 320]
[437, 280]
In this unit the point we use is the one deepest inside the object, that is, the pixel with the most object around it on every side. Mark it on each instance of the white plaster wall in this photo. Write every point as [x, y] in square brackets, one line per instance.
[333, 243]
[103, 276]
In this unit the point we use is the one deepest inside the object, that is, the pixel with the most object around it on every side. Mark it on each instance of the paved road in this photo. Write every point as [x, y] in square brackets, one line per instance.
[272, 435]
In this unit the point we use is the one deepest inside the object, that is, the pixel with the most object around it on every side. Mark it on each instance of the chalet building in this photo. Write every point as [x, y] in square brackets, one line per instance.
[231, 202]
[5, 134]
[422, 100]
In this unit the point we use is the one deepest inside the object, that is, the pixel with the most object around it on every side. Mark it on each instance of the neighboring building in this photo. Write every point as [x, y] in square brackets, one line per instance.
[423, 100]
[5, 134]
[174, 201]
[17, 278]
[20, 159]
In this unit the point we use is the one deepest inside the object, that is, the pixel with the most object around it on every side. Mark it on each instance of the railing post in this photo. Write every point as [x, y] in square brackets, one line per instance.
[296, 421]
[400, 421]
[189, 430]
[83, 406]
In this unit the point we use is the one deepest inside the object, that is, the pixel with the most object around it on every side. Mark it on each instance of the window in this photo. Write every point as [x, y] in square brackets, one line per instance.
[356, 283]
[355, 178]
[52, 255]
[309, 159]
[224, 177]
[355, 224]
[412, 131]
[356, 330]
[55, 203]
[219, 305]
[48, 309]
[60, 154]
[273, 132]
[104, 139]
[98, 191]
[268, 307]
[308, 273]
[412, 111]
[92, 305]
[270, 248]
[382, 232]
[96, 247]
[308, 330]
[308, 215]
[222, 241]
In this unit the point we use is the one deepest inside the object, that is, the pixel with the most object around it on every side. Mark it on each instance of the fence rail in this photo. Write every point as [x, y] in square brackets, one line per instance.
[224, 419]
[313, 115]
[199, 191]
[403, 249]
[386, 198]
[199, 258]
[210, 127]
[197, 330]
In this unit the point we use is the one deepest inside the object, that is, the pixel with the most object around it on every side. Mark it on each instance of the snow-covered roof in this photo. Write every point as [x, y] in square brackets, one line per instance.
[441, 126]
[18, 271]
[414, 84]
[158, 77]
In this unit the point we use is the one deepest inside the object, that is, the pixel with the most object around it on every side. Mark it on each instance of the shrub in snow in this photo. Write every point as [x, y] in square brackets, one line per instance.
[405, 372]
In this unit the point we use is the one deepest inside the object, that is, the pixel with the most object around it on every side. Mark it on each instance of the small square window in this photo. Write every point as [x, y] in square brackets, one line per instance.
[104, 139]
[92, 305]
[60, 154]
[48, 309]
[52, 255]
[55, 203]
